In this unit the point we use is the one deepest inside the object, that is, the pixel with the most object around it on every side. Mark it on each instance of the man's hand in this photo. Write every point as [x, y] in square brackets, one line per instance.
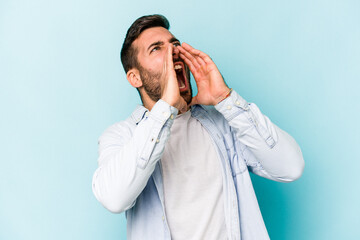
[170, 92]
[210, 84]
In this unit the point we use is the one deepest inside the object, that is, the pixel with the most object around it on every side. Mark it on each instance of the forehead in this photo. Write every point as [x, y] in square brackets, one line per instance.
[151, 35]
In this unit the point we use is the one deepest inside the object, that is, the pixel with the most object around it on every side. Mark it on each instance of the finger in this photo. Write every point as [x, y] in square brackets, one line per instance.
[164, 63]
[199, 60]
[197, 52]
[188, 55]
[187, 60]
[189, 63]
[169, 59]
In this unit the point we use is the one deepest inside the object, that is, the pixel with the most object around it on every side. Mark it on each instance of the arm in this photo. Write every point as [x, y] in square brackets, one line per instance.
[128, 155]
[270, 152]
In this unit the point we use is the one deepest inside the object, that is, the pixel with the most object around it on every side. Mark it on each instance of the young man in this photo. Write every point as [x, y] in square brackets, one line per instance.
[179, 164]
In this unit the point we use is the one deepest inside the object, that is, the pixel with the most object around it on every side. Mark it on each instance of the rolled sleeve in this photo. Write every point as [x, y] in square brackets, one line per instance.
[232, 106]
[162, 116]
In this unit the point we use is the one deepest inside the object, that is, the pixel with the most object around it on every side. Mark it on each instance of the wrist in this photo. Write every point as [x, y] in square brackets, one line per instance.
[179, 104]
[223, 96]
[169, 99]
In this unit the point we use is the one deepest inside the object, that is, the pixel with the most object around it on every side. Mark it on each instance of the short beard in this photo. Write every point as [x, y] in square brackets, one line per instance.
[151, 83]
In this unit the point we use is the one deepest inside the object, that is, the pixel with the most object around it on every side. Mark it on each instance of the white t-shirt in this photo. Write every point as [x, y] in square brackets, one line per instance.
[193, 191]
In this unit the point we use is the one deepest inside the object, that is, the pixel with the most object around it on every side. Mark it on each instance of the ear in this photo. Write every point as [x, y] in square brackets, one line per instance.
[133, 76]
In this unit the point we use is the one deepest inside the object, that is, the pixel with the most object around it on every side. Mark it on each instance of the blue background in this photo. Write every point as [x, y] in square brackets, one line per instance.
[62, 84]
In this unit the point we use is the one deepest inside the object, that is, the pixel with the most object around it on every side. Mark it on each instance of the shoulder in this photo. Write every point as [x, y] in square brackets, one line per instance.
[118, 132]
[123, 130]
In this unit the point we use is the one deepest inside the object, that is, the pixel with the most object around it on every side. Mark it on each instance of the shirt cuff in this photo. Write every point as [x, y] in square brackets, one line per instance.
[232, 106]
[163, 112]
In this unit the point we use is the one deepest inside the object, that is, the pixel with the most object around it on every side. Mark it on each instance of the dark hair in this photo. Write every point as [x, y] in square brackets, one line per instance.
[129, 52]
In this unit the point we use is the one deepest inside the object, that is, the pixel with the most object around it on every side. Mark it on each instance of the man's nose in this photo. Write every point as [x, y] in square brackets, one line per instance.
[175, 52]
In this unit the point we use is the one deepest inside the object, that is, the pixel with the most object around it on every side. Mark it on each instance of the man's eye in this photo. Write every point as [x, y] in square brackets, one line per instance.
[155, 49]
[176, 44]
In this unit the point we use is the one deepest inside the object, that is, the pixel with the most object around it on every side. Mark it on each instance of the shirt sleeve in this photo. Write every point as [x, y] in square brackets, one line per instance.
[269, 151]
[128, 155]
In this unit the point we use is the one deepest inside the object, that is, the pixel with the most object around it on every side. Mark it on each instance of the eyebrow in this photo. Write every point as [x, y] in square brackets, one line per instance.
[159, 43]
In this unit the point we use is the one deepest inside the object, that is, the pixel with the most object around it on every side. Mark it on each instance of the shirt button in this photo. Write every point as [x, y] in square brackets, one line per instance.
[228, 107]
[157, 140]
[237, 103]
[163, 218]
[172, 116]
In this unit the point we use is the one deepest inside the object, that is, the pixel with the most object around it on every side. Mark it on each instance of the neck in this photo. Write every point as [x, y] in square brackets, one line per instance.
[147, 101]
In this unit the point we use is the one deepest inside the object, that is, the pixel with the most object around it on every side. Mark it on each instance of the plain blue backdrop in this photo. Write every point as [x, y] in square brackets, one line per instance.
[62, 84]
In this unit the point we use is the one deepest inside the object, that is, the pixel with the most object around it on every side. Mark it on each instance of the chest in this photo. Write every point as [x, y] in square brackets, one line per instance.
[190, 160]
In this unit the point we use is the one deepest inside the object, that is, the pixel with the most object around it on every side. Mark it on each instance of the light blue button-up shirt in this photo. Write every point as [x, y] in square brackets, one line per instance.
[129, 174]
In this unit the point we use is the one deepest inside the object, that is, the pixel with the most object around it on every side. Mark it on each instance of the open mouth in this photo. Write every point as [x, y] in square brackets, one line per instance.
[181, 76]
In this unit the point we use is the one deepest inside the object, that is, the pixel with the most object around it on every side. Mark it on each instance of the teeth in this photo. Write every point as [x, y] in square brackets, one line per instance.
[182, 85]
[178, 67]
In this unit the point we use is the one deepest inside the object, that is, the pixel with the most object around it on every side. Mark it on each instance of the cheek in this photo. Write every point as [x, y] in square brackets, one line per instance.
[154, 63]
[157, 63]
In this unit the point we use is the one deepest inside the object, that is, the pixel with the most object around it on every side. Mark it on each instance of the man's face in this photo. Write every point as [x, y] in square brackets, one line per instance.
[151, 46]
